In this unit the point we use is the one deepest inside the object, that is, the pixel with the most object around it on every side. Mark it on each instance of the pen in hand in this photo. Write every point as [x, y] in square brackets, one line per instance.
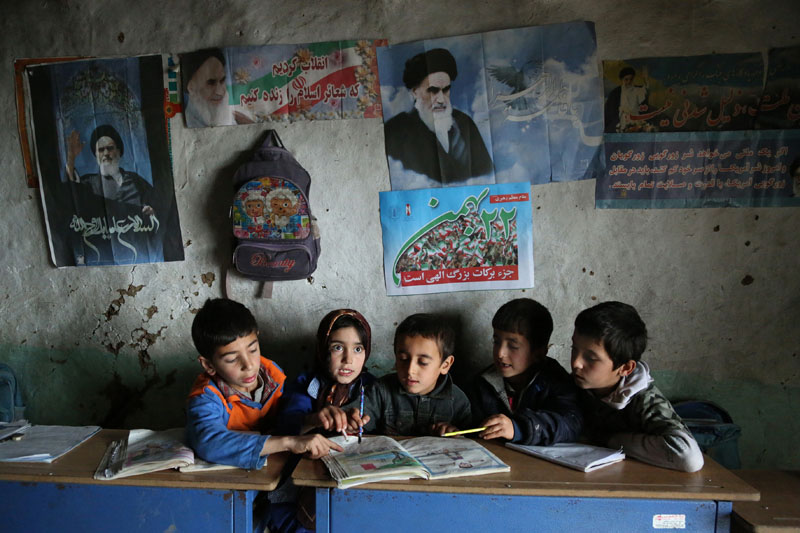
[361, 415]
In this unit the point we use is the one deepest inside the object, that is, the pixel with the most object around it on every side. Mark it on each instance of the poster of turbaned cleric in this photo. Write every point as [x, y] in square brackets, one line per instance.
[105, 174]
[457, 238]
[499, 107]
[780, 103]
[697, 93]
[249, 84]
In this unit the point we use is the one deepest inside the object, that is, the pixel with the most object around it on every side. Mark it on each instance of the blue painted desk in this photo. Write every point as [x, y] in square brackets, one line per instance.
[534, 496]
[62, 496]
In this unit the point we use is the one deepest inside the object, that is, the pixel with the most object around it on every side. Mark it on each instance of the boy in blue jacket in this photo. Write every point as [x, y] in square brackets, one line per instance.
[524, 396]
[230, 402]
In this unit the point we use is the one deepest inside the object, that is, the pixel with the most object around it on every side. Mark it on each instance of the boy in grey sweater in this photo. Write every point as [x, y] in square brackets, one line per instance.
[620, 404]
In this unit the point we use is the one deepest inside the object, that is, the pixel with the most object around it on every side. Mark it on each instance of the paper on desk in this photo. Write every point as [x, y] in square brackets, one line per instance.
[8, 429]
[45, 444]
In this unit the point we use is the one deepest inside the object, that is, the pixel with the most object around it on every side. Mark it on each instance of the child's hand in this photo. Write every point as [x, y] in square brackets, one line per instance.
[354, 420]
[330, 418]
[440, 428]
[498, 427]
[314, 445]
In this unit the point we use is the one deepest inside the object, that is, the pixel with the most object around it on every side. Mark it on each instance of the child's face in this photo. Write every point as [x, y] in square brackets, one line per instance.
[236, 363]
[347, 354]
[592, 367]
[512, 353]
[254, 208]
[419, 364]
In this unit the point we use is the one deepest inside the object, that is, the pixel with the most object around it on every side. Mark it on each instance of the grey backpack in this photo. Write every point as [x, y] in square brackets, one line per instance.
[11, 406]
[276, 235]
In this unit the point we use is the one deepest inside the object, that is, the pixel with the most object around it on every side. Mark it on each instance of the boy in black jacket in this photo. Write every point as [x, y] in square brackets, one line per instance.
[524, 396]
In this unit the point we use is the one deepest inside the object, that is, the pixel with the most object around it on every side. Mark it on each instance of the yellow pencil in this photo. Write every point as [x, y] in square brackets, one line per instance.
[454, 433]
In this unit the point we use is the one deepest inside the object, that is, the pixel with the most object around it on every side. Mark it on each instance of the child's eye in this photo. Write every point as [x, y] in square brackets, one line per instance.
[336, 347]
[358, 349]
[229, 361]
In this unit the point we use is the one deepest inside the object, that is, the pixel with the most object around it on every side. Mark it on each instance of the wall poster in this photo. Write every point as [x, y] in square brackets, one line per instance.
[505, 106]
[103, 161]
[457, 239]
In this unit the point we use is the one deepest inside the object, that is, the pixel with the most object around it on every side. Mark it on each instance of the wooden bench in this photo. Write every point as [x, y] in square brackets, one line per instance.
[779, 508]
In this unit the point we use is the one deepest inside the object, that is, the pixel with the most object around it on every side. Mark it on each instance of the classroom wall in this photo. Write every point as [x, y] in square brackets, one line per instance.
[718, 288]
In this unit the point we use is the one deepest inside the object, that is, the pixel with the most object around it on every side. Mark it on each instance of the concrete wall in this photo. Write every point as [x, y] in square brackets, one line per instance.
[112, 346]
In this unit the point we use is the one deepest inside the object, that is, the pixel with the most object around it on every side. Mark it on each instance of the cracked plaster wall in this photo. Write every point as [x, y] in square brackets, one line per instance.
[718, 288]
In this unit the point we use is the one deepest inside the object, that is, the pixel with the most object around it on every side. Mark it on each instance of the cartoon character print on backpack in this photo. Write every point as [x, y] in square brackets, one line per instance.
[270, 208]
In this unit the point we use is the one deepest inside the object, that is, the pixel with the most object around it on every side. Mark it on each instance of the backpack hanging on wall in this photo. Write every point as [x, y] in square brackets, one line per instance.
[276, 236]
[11, 406]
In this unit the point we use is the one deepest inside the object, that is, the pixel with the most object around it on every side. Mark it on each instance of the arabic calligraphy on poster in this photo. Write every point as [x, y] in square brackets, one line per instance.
[780, 103]
[457, 239]
[698, 93]
[702, 169]
[247, 84]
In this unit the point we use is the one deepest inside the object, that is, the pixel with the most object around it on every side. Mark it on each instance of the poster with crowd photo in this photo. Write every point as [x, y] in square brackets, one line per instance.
[505, 106]
[780, 103]
[248, 84]
[103, 161]
[457, 239]
[758, 168]
[696, 93]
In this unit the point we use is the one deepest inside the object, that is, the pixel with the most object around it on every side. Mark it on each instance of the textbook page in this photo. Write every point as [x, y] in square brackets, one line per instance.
[150, 451]
[377, 458]
[583, 457]
[446, 457]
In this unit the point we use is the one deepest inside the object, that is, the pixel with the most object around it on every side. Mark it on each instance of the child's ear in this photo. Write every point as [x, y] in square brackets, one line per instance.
[626, 368]
[207, 366]
[446, 364]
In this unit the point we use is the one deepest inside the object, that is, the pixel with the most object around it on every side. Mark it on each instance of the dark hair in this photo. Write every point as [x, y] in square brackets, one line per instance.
[618, 326]
[191, 63]
[626, 71]
[221, 321]
[436, 60]
[105, 130]
[429, 326]
[338, 319]
[526, 317]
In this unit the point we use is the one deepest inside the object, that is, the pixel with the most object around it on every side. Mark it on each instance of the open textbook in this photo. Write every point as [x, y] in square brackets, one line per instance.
[380, 458]
[583, 457]
[150, 451]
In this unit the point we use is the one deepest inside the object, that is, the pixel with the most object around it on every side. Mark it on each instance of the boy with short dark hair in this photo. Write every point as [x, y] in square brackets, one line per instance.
[621, 406]
[524, 396]
[238, 392]
[420, 398]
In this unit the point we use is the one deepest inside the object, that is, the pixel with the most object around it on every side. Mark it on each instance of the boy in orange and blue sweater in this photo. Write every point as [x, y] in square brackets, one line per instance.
[238, 393]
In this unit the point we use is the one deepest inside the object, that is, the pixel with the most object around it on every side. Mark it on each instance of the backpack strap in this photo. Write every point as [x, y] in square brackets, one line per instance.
[272, 140]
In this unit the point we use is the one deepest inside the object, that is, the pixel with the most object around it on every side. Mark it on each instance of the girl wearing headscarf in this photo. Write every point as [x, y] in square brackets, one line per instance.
[315, 398]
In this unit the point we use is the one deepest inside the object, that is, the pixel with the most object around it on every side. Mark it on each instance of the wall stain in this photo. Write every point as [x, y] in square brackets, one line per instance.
[58, 361]
[114, 348]
[151, 311]
[747, 280]
[208, 278]
[116, 305]
[146, 340]
[123, 400]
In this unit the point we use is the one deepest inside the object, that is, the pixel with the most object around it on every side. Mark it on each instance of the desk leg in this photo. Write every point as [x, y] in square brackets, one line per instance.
[724, 510]
[323, 519]
[243, 510]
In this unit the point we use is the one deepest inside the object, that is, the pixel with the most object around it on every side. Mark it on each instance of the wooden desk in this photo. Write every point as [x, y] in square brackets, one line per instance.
[63, 496]
[779, 508]
[534, 496]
